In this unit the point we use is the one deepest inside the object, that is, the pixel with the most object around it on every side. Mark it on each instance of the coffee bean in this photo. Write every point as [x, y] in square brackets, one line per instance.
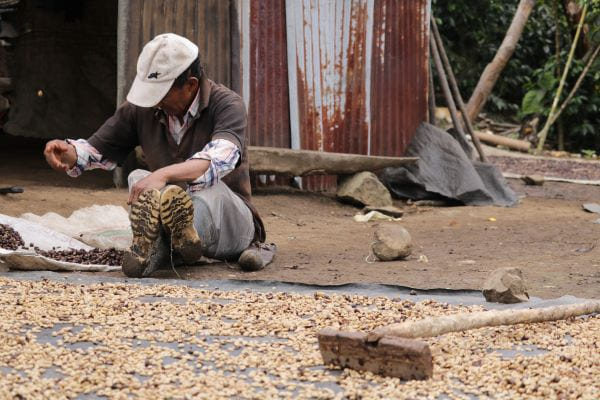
[110, 256]
[9, 238]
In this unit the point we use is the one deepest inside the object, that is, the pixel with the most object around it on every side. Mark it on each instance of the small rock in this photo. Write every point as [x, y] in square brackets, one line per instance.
[505, 285]
[592, 207]
[413, 293]
[364, 188]
[391, 211]
[533, 180]
[392, 242]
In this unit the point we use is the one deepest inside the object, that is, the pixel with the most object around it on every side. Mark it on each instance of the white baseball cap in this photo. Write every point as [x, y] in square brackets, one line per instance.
[162, 60]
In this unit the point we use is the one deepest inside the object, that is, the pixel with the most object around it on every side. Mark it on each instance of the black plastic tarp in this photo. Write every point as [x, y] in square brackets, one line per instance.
[445, 172]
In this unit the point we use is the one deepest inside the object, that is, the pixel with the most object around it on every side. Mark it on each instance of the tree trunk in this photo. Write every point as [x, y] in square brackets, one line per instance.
[494, 69]
[272, 160]
[573, 12]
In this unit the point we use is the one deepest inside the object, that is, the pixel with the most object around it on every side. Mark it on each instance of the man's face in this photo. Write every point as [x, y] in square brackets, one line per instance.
[178, 99]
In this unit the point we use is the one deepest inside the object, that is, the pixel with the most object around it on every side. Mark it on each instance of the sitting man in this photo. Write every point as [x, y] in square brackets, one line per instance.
[193, 135]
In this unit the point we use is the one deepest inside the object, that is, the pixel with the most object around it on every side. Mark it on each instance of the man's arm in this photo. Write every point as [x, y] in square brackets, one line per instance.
[110, 144]
[202, 170]
[181, 172]
[75, 156]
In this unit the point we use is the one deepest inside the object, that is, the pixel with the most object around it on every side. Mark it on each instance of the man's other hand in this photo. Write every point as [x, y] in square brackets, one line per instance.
[60, 155]
[156, 180]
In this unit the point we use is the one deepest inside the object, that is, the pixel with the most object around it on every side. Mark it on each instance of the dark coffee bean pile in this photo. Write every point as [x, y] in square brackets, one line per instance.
[9, 238]
[110, 256]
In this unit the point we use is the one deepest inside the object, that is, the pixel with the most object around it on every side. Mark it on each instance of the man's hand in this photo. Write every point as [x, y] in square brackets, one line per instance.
[156, 180]
[60, 155]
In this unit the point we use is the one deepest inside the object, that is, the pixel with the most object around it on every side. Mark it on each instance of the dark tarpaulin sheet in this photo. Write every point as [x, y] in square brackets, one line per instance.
[445, 172]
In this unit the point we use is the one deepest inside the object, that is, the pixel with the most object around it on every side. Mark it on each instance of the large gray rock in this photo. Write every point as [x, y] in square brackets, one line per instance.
[365, 189]
[392, 242]
[505, 285]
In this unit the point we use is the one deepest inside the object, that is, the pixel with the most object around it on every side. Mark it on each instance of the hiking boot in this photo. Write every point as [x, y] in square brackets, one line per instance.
[257, 256]
[145, 225]
[177, 216]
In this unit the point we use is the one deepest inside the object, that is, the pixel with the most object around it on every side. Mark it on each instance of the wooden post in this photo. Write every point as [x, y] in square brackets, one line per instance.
[431, 97]
[460, 135]
[456, 90]
[123, 18]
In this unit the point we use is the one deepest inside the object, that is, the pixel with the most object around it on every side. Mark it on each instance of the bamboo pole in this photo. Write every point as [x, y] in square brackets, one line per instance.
[544, 132]
[577, 84]
[460, 135]
[456, 90]
[435, 326]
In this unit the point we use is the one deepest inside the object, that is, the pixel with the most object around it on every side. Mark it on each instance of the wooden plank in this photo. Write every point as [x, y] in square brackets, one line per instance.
[272, 160]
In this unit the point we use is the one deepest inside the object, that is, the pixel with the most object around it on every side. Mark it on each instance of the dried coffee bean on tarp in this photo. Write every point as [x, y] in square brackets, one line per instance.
[9, 238]
[110, 256]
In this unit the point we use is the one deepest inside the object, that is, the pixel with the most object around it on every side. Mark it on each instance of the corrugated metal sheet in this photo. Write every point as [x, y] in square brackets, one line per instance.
[400, 84]
[357, 75]
[328, 43]
[268, 108]
[268, 100]
[207, 23]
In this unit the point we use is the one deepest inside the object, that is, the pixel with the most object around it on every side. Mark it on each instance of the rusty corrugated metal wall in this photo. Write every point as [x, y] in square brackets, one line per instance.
[207, 23]
[269, 109]
[357, 75]
[399, 83]
[268, 104]
[328, 48]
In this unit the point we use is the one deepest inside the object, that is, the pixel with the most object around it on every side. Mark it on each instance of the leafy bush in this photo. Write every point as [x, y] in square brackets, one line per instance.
[473, 31]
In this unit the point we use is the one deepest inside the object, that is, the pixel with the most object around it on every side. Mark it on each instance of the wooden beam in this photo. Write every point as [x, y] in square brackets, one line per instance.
[498, 140]
[273, 160]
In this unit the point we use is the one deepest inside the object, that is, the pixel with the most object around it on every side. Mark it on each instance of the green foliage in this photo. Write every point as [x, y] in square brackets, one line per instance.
[587, 153]
[473, 31]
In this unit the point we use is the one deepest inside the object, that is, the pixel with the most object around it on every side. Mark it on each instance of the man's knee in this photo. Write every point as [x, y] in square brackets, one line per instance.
[135, 176]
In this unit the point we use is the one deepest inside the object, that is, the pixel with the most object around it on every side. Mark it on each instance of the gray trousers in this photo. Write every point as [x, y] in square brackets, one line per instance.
[221, 218]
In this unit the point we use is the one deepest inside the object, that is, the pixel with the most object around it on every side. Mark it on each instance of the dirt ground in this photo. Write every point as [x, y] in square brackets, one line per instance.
[548, 235]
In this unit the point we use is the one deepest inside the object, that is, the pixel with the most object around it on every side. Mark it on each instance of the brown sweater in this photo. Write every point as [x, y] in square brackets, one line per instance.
[221, 115]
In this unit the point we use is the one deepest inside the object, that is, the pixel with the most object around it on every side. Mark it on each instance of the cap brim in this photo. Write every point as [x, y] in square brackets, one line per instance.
[146, 94]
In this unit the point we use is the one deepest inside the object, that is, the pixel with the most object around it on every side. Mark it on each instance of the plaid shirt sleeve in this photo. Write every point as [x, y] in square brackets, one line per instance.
[88, 158]
[223, 156]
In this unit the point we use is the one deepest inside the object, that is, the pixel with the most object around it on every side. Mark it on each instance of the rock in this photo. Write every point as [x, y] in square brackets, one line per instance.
[533, 180]
[364, 188]
[392, 242]
[592, 207]
[505, 285]
[391, 211]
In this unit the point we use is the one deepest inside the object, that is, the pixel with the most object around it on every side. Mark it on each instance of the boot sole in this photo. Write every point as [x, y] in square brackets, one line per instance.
[145, 226]
[177, 216]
